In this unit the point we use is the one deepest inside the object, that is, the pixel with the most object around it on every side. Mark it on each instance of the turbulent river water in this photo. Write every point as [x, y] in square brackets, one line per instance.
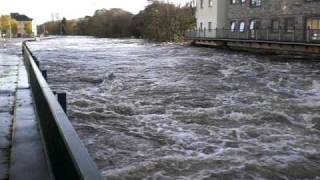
[165, 111]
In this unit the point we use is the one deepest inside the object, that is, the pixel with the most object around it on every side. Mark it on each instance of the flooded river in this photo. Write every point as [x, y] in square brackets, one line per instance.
[164, 111]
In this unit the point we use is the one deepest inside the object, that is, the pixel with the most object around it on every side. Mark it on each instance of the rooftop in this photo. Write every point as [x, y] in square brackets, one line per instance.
[20, 17]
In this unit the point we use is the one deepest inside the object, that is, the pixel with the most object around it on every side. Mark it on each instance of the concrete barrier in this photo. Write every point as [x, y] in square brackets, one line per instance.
[67, 155]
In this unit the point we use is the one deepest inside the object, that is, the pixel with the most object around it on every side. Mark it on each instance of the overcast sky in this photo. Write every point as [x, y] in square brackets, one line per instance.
[42, 10]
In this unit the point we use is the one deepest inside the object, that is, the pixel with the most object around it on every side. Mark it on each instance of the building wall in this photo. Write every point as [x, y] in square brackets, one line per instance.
[215, 14]
[276, 10]
[21, 28]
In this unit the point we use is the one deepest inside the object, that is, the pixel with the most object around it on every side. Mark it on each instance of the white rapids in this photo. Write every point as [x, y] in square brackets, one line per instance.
[165, 111]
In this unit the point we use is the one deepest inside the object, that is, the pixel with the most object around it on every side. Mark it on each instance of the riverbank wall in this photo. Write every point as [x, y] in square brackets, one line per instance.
[264, 47]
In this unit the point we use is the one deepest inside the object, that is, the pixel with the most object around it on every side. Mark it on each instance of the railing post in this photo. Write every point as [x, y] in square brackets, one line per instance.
[204, 33]
[62, 99]
[44, 74]
[267, 34]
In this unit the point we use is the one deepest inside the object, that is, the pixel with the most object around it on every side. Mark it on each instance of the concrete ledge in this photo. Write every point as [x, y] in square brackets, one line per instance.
[28, 158]
[274, 47]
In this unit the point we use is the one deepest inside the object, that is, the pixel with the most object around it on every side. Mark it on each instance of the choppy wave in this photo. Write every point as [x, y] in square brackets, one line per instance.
[166, 111]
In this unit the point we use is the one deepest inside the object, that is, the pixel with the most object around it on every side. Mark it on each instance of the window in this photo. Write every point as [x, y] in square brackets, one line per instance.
[275, 25]
[201, 26]
[201, 4]
[313, 23]
[233, 1]
[289, 25]
[210, 3]
[253, 24]
[243, 1]
[255, 3]
[193, 3]
[209, 26]
[233, 26]
[313, 28]
[242, 26]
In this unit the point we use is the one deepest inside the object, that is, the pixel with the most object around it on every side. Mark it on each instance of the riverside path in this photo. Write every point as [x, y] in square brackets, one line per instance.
[21, 151]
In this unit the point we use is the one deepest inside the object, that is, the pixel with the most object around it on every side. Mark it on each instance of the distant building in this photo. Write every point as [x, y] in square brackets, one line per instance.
[272, 20]
[23, 21]
[277, 19]
[211, 15]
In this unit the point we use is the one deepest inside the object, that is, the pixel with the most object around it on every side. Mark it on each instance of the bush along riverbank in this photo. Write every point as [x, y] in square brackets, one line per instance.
[159, 21]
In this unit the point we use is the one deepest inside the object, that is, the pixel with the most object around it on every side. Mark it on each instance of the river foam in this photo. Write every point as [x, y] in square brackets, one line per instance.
[166, 111]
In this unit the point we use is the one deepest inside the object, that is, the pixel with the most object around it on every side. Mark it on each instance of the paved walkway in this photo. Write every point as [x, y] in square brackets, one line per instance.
[9, 66]
[21, 149]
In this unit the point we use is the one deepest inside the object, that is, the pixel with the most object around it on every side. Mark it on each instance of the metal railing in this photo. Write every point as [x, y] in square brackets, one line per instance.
[67, 156]
[279, 35]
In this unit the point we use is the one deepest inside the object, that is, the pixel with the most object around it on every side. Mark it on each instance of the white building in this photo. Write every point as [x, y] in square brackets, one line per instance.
[22, 21]
[211, 15]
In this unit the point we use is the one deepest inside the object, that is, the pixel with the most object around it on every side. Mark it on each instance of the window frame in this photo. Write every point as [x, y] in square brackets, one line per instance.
[287, 27]
[242, 29]
[233, 26]
[210, 26]
[272, 27]
[255, 3]
[256, 24]
[201, 4]
[210, 3]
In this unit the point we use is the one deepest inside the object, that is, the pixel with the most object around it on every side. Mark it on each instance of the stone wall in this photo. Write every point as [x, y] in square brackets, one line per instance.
[278, 10]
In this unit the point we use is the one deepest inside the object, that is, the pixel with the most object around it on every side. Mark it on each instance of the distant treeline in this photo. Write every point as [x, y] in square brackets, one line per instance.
[159, 21]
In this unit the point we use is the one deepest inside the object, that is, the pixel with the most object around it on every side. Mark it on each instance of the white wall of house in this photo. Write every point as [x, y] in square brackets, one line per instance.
[211, 15]
[222, 10]
[21, 28]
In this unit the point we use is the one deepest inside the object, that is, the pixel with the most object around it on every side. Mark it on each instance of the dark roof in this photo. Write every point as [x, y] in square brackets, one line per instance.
[20, 17]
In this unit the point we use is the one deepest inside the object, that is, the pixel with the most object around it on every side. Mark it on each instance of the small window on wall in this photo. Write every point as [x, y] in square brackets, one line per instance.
[289, 25]
[210, 3]
[313, 26]
[233, 1]
[209, 26]
[243, 1]
[201, 4]
[255, 3]
[275, 25]
[313, 23]
[253, 24]
[201, 26]
[233, 26]
[242, 26]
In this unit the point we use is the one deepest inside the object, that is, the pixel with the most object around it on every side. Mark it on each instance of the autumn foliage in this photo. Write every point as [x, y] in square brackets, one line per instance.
[159, 21]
